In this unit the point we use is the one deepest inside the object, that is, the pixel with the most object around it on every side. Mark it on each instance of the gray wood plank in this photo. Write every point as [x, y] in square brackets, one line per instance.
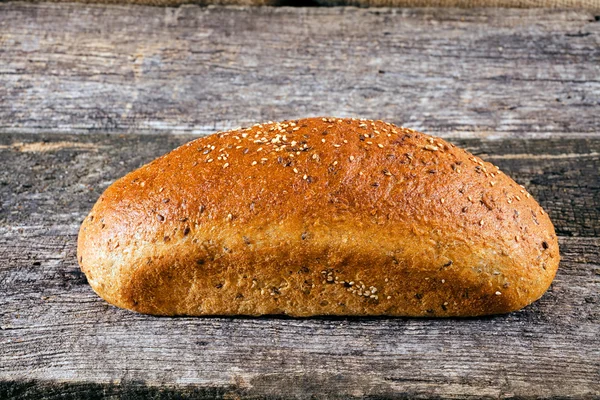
[57, 338]
[57, 178]
[73, 68]
[54, 328]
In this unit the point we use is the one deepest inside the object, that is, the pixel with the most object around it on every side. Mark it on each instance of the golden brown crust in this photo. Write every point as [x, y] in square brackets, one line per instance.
[319, 216]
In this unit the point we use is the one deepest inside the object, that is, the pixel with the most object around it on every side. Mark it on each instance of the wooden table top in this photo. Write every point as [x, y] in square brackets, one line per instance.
[91, 92]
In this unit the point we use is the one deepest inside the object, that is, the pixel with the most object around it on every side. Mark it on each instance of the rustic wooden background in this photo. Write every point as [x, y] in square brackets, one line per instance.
[88, 93]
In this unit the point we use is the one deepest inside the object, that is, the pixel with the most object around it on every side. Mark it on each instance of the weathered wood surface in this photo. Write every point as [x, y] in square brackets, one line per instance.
[487, 79]
[55, 179]
[57, 338]
[73, 68]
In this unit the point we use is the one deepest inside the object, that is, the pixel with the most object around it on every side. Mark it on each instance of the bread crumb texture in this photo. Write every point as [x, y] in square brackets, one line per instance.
[318, 216]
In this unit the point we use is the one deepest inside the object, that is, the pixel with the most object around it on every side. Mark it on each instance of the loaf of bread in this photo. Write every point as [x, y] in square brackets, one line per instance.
[318, 216]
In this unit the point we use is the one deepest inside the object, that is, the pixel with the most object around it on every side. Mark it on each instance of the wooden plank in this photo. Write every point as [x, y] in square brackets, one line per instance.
[55, 329]
[74, 68]
[57, 336]
[58, 177]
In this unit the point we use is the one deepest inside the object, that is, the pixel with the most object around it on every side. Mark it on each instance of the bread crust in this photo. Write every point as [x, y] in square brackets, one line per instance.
[318, 216]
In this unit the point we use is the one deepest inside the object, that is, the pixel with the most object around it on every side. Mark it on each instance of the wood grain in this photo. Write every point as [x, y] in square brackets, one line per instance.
[54, 328]
[56, 178]
[74, 68]
[129, 77]
[57, 338]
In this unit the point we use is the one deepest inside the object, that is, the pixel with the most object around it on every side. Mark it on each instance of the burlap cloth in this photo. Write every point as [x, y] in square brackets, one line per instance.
[590, 4]
[573, 4]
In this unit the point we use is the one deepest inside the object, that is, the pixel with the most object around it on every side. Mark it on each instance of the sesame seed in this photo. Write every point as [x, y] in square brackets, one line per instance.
[336, 145]
[296, 128]
[386, 279]
[431, 148]
[430, 140]
[442, 201]
[351, 158]
[470, 198]
[481, 222]
[254, 163]
[380, 146]
[295, 170]
[369, 142]
[518, 198]
[305, 176]
[323, 140]
[225, 165]
[345, 141]
[443, 281]
[264, 159]
[389, 297]
[293, 143]
[209, 160]
[160, 190]
[498, 293]
[335, 163]
[259, 149]
[229, 217]
[492, 183]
